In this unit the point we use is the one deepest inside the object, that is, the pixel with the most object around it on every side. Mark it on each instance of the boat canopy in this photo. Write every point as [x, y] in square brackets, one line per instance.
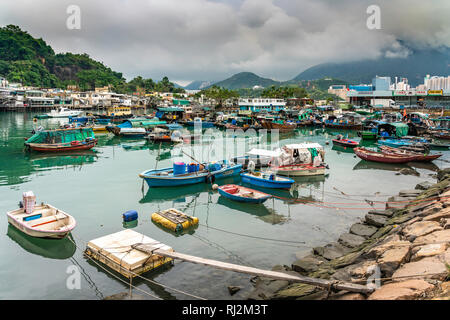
[265, 153]
[307, 145]
[61, 135]
[399, 128]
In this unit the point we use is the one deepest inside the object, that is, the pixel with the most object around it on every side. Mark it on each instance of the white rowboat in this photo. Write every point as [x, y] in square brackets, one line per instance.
[45, 221]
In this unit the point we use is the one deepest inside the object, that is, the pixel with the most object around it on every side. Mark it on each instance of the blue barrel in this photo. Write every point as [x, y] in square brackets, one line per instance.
[193, 167]
[179, 168]
[214, 166]
[130, 215]
[233, 122]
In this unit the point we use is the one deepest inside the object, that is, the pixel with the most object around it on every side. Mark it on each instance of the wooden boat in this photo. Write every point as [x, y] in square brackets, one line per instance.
[243, 194]
[346, 143]
[347, 126]
[298, 170]
[370, 155]
[267, 180]
[45, 221]
[419, 156]
[442, 135]
[281, 127]
[206, 173]
[63, 147]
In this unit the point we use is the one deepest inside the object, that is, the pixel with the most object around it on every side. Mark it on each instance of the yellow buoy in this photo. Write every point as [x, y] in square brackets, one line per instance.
[174, 220]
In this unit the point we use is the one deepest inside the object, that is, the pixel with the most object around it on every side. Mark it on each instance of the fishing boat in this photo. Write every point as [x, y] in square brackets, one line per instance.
[243, 194]
[180, 174]
[199, 122]
[281, 126]
[45, 221]
[61, 140]
[64, 113]
[345, 143]
[348, 121]
[302, 159]
[370, 155]
[63, 147]
[422, 157]
[257, 158]
[266, 180]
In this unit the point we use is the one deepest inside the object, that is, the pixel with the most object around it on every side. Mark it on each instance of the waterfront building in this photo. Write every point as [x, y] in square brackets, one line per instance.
[432, 94]
[259, 104]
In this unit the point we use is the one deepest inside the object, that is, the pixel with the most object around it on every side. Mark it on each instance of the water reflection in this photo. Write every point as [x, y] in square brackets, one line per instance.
[48, 248]
[262, 212]
[42, 161]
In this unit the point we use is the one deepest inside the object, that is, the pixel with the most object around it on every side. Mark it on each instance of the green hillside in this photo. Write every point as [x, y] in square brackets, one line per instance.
[32, 62]
[245, 80]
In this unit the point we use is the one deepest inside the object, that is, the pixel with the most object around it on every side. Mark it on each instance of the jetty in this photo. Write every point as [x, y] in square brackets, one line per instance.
[132, 254]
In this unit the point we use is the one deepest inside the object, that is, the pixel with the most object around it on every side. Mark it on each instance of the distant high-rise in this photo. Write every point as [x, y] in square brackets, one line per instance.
[437, 83]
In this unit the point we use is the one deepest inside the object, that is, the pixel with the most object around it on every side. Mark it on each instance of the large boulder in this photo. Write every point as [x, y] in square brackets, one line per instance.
[331, 251]
[405, 290]
[351, 240]
[375, 220]
[308, 264]
[424, 185]
[427, 268]
[420, 228]
[428, 250]
[434, 237]
[437, 216]
[363, 230]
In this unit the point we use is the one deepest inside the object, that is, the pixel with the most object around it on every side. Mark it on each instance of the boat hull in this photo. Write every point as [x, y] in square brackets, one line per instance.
[380, 157]
[266, 183]
[299, 170]
[278, 126]
[344, 126]
[193, 178]
[345, 143]
[42, 147]
[40, 233]
[238, 198]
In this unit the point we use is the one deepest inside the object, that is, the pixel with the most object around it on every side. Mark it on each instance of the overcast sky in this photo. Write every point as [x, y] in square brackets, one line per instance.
[213, 39]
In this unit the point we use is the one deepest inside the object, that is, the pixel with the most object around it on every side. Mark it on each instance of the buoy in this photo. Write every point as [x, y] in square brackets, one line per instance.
[130, 215]
[215, 186]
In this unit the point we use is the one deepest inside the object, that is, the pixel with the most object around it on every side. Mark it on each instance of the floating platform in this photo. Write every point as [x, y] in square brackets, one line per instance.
[174, 220]
[116, 252]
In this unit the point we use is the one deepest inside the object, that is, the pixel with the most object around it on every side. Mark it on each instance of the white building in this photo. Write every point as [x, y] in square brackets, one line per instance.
[258, 104]
[437, 83]
[3, 83]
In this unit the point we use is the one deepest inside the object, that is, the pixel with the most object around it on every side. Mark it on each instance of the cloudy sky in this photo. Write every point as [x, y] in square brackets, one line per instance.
[213, 39]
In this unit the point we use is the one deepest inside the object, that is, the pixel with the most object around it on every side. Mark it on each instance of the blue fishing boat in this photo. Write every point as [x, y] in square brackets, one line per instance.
[267, 180]
[243, 194]
[397, 143]
[182, 174]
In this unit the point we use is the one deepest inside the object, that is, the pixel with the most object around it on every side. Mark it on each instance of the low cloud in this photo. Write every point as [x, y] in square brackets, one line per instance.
[211, 40]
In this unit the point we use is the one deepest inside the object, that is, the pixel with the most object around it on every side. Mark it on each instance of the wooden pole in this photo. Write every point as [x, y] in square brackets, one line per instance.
[254, 271]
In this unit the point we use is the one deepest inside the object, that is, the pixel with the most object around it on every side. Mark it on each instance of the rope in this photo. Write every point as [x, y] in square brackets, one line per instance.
[250, 236]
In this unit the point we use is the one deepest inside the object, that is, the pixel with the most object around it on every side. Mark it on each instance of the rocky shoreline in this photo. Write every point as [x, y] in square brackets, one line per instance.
[403, 251]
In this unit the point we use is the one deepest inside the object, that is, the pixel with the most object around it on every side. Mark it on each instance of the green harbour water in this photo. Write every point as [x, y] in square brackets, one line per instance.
[97, 186]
